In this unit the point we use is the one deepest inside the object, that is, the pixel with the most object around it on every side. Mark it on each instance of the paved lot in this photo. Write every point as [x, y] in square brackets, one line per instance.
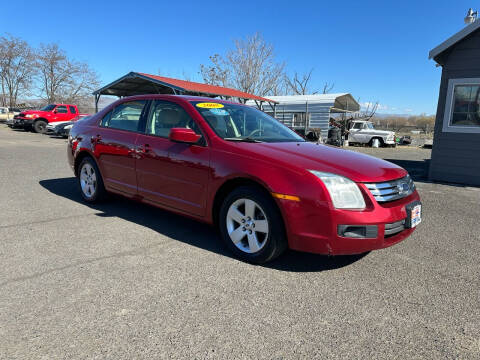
[123, 280]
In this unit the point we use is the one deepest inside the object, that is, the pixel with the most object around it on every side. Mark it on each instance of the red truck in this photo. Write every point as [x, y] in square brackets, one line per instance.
[37, 120]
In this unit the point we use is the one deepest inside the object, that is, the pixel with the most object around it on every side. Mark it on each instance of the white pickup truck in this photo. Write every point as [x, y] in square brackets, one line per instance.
[7, 113]
[363, 132]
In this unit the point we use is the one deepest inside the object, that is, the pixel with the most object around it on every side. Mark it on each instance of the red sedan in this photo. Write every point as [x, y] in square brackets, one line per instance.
[233, 166]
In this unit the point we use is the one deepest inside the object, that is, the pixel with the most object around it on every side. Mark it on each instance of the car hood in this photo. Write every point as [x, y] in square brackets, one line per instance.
[38, 112]
[58, 123]
[380, 132]
[310, 156]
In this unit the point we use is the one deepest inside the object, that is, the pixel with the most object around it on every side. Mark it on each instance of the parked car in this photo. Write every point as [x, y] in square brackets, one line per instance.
[62, 128]
[37, 120]
[7, 113]
[236, 167]
[363, 132]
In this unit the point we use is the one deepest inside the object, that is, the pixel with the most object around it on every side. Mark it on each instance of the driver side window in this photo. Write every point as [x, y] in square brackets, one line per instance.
[165, 116]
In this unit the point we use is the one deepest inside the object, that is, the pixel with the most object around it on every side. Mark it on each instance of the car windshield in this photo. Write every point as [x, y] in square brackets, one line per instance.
[48, 107]
[243, 123]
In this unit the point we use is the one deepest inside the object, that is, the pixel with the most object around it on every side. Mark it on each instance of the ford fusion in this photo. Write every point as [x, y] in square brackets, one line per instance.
[237, 168]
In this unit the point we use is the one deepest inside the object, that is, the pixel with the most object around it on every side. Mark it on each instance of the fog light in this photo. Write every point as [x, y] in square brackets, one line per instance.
[358, 231]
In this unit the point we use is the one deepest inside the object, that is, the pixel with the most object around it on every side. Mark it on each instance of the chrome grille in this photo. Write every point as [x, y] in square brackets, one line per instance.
[392, 190]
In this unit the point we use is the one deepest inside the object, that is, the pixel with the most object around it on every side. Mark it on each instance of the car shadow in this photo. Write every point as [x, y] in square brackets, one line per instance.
[189, 231]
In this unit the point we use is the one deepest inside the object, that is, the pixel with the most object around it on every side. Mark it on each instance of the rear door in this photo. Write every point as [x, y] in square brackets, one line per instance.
[72, 111]
[172, 174]
[115, 145]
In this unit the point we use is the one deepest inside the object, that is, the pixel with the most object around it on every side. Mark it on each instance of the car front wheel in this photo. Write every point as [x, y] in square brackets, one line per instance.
[251, 225]
[40, 126]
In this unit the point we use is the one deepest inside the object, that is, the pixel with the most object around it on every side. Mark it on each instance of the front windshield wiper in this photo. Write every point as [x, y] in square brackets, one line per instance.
[245, 139]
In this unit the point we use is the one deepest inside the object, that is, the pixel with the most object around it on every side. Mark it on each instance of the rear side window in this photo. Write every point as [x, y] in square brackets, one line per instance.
[72, 110]
[62, 109]
[125, 116]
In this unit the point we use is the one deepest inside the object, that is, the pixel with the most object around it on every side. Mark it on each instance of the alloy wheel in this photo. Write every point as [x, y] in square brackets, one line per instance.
[247, 225]
[88, 180]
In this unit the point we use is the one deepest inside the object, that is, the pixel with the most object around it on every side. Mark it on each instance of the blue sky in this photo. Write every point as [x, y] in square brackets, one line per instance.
[377, 50]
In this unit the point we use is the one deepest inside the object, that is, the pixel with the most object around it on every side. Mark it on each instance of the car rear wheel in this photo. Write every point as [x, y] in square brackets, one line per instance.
[40, 126]
[251, 225]
[90, 181]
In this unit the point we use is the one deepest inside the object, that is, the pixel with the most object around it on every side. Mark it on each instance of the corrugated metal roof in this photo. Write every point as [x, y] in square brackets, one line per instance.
[467, 30]
[134, 84]
[310, 98]
[342, 101]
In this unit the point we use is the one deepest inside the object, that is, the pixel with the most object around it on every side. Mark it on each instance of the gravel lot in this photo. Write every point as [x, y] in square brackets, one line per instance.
[124, 280]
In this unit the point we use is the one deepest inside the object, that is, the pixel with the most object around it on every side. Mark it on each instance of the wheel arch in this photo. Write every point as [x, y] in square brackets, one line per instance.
[231, 184]
[79, 158]
[382, 141]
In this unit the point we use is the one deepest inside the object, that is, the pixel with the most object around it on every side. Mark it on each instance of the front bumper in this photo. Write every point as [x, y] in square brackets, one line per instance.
[314, 227]
[50, 129]
[22, 123]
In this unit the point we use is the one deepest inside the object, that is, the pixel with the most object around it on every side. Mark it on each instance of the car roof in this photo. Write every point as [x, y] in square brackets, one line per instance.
[187, 98]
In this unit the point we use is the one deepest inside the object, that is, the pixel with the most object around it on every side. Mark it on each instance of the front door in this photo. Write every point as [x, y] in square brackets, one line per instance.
[172, 174]
[114, 146]
[355, 133]
[60, 114]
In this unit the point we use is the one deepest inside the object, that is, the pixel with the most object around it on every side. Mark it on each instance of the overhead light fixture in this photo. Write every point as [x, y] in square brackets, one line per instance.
[471, 16]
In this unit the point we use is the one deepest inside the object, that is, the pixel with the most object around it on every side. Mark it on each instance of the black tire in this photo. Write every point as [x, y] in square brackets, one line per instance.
[40, 126]
[100, 193]
[275, 242]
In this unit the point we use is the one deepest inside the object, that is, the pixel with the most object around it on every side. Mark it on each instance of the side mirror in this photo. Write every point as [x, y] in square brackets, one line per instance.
[183, 135]
[55, 111]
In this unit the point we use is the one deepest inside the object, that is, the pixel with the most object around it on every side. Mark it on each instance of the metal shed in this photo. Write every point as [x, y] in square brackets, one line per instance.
[310, 112]
[456, 145]
[135, 83]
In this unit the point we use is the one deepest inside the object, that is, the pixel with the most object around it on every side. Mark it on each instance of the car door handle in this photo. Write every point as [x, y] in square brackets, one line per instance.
[96, 138]
[143, 148]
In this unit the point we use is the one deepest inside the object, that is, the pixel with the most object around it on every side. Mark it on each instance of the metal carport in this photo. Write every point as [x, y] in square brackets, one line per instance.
[135, 83]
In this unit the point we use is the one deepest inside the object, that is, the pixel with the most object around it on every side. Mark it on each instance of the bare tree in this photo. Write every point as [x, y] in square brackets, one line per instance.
[217, 73]
[250, 67]
[62, 79]
[370, 110]
[327, 88]
[16, 69]
[299, 85]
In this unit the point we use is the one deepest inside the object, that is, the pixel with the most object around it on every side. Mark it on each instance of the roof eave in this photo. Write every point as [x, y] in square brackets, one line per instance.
[444, 46]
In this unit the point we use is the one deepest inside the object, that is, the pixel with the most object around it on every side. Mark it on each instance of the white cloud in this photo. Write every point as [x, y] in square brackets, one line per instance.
[383, 108]
[370, 105]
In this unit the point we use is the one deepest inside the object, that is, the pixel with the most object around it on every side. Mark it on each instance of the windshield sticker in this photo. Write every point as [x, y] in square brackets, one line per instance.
[219, 112]
[210, 105]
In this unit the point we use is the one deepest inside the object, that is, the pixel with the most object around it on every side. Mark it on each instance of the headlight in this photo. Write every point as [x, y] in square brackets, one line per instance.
[30, 116]
[68, 127]
[344, 192]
